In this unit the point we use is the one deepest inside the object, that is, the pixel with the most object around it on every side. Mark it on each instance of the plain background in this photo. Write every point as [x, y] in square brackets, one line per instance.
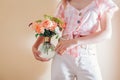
[16, 39]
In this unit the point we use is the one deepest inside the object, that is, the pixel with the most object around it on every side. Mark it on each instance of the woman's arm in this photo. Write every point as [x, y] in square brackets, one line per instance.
[103, 34]
[35, 49]
[38, 42]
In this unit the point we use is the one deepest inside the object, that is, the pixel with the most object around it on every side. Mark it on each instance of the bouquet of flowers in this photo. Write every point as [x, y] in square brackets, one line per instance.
[51, 29]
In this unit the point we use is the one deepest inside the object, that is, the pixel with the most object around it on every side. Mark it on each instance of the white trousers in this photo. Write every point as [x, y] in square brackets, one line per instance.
[84, 67]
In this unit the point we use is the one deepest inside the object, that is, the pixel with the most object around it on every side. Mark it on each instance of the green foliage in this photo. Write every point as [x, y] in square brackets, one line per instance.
[57, 20]
[57, 36]
[38, 21]
[47, 33]
[36, 35]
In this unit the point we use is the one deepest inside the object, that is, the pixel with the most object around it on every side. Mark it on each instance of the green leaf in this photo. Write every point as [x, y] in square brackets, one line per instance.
[48, 33]
[38, 21]
[48, 17]
[57, 37]
[36, 35]
[41, 34]
[57, 20]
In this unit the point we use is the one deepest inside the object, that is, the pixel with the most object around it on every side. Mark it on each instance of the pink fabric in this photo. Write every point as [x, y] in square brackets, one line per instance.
[107, 6]
[83, 22]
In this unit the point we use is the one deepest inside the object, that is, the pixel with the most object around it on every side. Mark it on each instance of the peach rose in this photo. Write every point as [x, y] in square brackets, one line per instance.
[38, 27]
[49, 25]
[46, 23]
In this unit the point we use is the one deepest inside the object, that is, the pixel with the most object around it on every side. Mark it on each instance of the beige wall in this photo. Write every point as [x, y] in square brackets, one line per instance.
[16, 59]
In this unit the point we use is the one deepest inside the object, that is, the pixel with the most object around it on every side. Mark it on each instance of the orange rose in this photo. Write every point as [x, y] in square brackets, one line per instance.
[38, 27]
[46, 23]
[49, 25]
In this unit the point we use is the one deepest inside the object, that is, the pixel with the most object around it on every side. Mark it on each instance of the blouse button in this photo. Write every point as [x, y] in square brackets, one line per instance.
[78, 21]
[80, 14]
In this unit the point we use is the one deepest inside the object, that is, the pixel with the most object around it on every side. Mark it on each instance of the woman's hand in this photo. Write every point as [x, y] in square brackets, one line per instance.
[63, 45]
[37, 54]
[35, 49]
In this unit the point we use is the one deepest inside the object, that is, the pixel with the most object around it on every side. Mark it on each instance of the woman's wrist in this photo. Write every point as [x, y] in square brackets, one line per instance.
[35, 46]
[62, 38]
[75, 41]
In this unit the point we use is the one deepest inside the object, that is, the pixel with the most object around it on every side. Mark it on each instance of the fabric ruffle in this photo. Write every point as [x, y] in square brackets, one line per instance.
[59, 11]
[107, 6]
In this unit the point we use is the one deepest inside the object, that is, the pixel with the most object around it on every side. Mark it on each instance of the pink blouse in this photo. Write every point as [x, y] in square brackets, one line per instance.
[85, 21]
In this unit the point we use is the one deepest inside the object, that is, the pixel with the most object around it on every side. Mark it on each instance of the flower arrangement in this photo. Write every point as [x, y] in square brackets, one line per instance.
[51, 29]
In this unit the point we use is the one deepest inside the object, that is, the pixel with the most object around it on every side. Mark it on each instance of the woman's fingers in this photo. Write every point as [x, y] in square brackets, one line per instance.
[35, 52]
[37, 55]
[57, 46]
[39, 58]
[60, 50]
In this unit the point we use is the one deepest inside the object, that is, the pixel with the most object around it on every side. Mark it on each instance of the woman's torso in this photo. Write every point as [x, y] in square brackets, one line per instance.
[80, 22]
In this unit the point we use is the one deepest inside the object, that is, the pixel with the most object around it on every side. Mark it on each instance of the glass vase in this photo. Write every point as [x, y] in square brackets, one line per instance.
[47, 49]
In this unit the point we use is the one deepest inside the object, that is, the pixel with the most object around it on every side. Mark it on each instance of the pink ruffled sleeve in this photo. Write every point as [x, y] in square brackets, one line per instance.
[107, 6]
[59, 11]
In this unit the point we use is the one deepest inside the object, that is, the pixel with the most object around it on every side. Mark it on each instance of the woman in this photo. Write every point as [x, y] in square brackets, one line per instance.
[88, 22]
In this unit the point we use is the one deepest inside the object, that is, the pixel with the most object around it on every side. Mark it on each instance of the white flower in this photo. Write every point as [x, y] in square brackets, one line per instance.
[57, 30]
[54, 40]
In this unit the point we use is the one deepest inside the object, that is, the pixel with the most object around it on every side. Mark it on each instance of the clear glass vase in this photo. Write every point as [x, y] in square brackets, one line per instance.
[47, 49]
